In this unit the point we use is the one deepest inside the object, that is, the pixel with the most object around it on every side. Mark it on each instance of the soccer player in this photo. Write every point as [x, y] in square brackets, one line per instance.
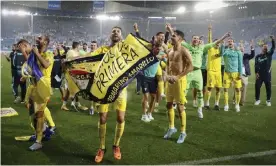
[17, 59]
[56, 79]
[149, 86]
[213, 72]
[119, 105]
[233, 73]
[73, 53]
[263, 72]
[204, 75]
[84, 50]
[93, 47]
[178, 65]
[194, 78]
[246, 71]
[39, 104]
[160, 38]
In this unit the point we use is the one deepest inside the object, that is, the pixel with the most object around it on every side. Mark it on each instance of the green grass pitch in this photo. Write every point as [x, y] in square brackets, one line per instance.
[76, 140]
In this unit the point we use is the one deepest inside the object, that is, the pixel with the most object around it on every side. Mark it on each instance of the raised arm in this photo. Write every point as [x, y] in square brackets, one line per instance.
[135, 26]
[222, 49]
[167, 34]
[210, 45]
[271, 51]
[210, 33]
[252, 54]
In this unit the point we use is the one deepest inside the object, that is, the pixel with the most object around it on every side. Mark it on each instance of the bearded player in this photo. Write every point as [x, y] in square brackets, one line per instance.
[39, 104]
[119, 105]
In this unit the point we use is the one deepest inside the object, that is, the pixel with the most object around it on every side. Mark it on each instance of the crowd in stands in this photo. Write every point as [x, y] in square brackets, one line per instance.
[67, 30]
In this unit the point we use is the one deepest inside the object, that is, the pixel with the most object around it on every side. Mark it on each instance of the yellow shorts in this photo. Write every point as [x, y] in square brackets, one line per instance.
[214, 79]
[159, 71]
[41, 92]
[176, 91]
[119, 104]
[228, 78]
[163, 65]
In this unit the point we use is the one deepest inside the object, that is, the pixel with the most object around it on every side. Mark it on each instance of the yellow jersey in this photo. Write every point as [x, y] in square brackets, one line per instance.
[61, 52]
[48, 55]
[214, 60]
[72, 54]
[100, 50]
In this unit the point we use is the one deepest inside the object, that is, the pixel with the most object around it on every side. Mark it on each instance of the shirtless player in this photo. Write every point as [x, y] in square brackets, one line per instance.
[178, 66]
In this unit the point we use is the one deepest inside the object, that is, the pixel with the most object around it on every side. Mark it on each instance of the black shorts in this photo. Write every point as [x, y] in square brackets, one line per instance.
[56, 73]
[149, 85]
[204, 76]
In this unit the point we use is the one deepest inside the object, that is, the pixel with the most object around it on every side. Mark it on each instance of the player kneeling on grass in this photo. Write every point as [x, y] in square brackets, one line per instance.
[179, 64]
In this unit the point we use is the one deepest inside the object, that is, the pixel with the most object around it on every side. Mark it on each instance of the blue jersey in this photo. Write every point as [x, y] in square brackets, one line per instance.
[232, 60]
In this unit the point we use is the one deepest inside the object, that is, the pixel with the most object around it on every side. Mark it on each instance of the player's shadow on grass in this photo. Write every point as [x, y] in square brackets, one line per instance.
[71, 154]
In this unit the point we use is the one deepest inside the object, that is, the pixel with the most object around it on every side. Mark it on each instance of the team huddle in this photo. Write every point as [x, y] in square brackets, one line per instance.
[181, 66]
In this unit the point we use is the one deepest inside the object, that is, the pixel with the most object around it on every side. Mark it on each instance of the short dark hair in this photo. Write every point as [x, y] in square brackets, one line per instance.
[22, 41]
[75, 44]
[94, 42]
[117, 27]
[84, 43]
[179, 33]
[230, 38]
[159, 33]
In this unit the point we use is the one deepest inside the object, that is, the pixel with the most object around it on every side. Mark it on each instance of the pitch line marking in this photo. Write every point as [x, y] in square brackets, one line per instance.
[227, 158]
[254, 83]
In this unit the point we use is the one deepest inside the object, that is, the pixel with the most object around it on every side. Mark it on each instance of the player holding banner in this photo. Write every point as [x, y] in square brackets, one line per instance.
[41, 62]
[126, 58]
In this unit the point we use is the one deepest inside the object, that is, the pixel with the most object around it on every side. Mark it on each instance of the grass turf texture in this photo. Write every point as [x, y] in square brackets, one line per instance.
[76, 140]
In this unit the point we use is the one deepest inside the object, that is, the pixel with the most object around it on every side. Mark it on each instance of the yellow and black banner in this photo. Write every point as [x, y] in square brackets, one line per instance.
[101, 78]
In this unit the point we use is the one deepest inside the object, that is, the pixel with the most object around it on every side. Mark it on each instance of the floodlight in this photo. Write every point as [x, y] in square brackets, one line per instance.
[181, 9]
[114, 18]
[5, 12]
[170, 18]
[202, 6]
[155, 17]
[101, 17]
